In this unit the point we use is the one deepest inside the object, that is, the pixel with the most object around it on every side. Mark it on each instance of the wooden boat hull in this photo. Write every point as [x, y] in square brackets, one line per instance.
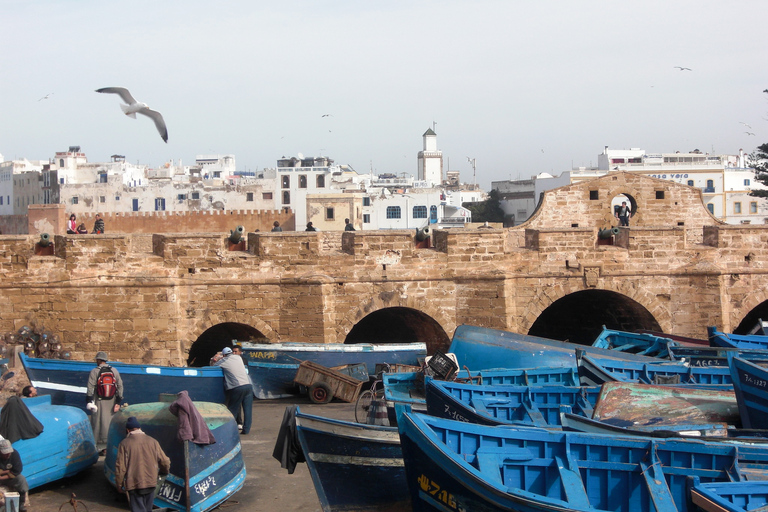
[353, 466]
[595, 371]
[336, 354]
[408, 387]
[453, 465]
[272, 367]
[64, 448]
[729, 496]
[480, 348]
[750, 383]
[631, 405]
[66, 381]
[215, 472]
[537, 406]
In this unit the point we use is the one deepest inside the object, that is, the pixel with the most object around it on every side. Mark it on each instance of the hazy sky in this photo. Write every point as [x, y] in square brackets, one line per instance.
[521, 86]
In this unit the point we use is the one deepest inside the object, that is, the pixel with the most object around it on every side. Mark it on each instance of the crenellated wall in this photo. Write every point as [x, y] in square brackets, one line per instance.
[147, 298]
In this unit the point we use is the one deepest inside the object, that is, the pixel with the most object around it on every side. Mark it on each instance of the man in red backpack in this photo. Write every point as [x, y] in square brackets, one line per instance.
[103, 397]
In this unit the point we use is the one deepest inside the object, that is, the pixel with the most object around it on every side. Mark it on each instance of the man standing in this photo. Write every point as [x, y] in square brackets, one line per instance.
[104, 394]
[348, 225]
[623, 213]
[98, 226]
[10, 473]
[139, 462]
[237, 387]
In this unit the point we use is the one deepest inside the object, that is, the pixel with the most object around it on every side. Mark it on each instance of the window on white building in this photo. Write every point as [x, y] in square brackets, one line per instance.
[366, 201]
[433, 212]
[182, 197]
[160, 204]
[286, 197]
[266, 195]
[286, 182]
[366, 218]
[736, 207]
[329, 214]
[102, 199]
[420, 212]
[746, 182]
[302, 181]
[711, 208]
[690, 183]
[752, 207]
[393, 212]
[74, 200]
[320, 181]
[102, 177]
[249, 196]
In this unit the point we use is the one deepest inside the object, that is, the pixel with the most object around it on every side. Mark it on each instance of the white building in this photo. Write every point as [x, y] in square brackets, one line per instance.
[724, 180]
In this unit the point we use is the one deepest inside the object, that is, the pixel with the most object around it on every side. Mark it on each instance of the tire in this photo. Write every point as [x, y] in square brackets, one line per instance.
[320, 393]
[363, 405]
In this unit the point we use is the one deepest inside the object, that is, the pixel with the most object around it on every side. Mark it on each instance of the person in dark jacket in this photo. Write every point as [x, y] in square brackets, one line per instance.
[10, 473]
[140, 460]
[98, 226]
[276, 227]
[348, 225]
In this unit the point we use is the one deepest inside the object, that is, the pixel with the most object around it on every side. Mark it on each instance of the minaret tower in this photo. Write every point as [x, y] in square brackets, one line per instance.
[431, 160]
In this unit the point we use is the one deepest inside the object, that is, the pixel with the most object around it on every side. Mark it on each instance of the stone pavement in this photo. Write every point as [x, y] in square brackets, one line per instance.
[268, 487]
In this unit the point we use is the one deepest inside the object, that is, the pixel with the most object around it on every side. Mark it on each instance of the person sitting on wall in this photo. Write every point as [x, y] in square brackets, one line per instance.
[348, 225]
[72, 225]
[310, 227]
[276, 227]
[98, 226]
[81, 229]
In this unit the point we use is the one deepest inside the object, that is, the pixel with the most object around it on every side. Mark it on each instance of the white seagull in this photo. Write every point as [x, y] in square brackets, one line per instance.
[133, 107]
[45, 97]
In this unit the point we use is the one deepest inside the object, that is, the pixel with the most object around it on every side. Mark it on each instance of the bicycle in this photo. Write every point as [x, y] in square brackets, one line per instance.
[375, 394]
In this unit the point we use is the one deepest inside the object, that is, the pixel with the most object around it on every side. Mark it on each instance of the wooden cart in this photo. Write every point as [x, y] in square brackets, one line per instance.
[326, 383]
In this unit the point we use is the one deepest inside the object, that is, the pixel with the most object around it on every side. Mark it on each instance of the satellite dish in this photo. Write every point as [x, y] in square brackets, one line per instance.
[301, 156]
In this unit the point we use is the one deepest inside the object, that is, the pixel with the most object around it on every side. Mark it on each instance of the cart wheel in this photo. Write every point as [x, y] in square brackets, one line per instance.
[320, 393]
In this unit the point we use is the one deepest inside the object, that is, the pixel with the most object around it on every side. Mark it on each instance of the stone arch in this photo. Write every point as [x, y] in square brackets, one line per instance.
[756, 306]
[388, 300]
[620, 190]
[218, 331]
[621, 304]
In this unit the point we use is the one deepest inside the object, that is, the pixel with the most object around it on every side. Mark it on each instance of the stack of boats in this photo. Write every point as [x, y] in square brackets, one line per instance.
[635, 422]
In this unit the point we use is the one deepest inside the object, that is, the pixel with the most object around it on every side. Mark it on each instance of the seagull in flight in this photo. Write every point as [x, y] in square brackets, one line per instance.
[327, 115]
[681, 68]
[745, 124]
[45, 97]
[749, 133]
[133, 107]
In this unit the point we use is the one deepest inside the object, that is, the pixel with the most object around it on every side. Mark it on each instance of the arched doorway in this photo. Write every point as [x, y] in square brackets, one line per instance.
[400, 325]
[758, 313]
[580, 316]
[218, 337]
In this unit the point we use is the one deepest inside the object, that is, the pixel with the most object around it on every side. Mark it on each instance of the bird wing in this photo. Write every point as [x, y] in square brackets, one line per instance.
[122, 91]
[159, 121]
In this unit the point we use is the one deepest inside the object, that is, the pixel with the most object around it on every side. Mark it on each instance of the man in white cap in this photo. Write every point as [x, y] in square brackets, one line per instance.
[10, 473]
[237, 387]
[140, 460]
[103, 397]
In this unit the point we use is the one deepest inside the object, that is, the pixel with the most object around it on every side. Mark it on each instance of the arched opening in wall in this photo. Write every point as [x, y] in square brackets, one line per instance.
[580, 317]
[752, 318]
[616, 205]
[400, 325]
[218, 337]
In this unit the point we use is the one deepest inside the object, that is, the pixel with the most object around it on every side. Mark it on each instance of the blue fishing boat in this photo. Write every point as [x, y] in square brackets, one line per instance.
[65, 446]
[202, 476]
[408, 387]
[66, 381]
[273, 366]
[714, 356]
[579, 423]
[740, 496]
[538, 406]
[452, 465]
[479, 348]
[750, 383]
[353, 466]
[720, 339]
[633, 342]
[595, 371]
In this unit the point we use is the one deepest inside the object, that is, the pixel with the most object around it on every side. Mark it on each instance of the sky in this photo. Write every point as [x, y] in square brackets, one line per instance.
[521, 87]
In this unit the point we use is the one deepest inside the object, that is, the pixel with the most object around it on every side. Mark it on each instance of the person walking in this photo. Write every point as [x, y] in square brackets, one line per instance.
[103, 396]
[348, 225]
[140, 460]
[237, 386]
[10, 473]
